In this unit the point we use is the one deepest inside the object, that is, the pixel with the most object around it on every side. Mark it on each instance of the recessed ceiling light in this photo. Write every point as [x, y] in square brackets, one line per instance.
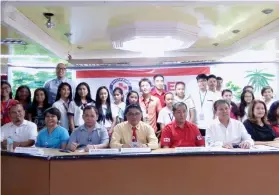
[236, 31]
[215, 44]
[267, 11]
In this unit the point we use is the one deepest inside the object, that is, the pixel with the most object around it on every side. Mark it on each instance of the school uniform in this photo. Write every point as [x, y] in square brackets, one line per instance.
[77, 112]
[63, 107]
[204, 108]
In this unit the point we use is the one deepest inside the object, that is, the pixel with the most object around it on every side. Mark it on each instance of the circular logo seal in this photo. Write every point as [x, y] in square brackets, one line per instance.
[122, 83]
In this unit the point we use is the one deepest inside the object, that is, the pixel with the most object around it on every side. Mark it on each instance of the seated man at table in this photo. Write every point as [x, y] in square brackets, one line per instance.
[91, 134]
[133, 132]
[181, 133]
[22, 132]
[225, 131]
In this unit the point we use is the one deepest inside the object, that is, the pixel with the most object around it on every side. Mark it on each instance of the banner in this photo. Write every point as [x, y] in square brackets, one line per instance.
[129, 79]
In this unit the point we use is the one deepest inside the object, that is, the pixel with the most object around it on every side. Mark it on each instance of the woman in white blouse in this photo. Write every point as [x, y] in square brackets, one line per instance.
[267, 93]
[245, 100]
[225, 131]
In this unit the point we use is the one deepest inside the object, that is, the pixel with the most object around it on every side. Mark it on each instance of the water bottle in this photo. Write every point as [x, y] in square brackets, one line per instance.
[208, 141]
[10, 144]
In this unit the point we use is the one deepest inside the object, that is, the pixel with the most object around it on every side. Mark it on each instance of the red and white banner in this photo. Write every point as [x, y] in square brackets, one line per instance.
[129, 79]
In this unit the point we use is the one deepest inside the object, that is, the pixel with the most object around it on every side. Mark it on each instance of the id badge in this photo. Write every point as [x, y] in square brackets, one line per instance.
[201, 116]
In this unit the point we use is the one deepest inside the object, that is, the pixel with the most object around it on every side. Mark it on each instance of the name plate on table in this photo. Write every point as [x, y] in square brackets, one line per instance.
[32, 150]
[104, 151]
[191, 149]
[135, 150]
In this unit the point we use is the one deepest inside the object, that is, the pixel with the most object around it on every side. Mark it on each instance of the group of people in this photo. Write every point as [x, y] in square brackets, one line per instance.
[64, 116]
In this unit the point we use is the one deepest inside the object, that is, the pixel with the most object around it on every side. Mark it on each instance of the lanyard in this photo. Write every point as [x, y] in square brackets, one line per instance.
[4, 110]
[147, 105]
[202, 100]
[66, 106]
[171, 116]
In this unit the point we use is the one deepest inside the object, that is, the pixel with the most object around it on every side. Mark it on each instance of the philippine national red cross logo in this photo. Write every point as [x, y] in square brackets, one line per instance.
[123, 86]
[122, 83]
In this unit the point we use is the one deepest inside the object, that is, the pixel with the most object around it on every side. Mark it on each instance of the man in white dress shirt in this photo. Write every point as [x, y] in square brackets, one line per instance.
[225, 131]
[22, 132]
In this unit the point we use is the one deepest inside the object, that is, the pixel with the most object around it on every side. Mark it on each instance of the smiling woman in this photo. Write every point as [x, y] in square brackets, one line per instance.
[53, 135]
[257, 125]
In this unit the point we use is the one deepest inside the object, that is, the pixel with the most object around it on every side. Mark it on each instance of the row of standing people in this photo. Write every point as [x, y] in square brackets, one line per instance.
[151, 101]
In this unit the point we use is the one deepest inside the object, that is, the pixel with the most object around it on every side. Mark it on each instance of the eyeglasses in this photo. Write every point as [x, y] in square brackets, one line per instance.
[133, 114]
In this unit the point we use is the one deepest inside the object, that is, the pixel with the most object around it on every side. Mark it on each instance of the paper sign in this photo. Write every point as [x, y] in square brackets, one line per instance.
[31, 150]
[135, 150]
[103, 151]
[191, 149]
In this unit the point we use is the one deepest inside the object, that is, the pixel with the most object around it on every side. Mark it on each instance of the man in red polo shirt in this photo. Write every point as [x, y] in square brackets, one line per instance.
[181, 133]
[159, 89]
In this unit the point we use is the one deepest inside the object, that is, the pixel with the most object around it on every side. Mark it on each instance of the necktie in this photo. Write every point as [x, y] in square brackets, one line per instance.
[134, 135]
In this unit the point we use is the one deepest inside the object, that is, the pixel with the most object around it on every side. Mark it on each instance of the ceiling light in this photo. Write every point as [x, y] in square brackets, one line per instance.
[49, 23]
[9, 41]
[24, 56]
[153, 37]
[235, 31]
[152, 44]
[267, 11]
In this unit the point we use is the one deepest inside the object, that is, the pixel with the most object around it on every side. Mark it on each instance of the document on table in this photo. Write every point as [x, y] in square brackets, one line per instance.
[256, 148]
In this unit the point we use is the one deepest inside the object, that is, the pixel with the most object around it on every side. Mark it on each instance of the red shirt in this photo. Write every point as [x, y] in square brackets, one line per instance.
[161, 96]
[276, 129]
[5, 107]
[173, 136]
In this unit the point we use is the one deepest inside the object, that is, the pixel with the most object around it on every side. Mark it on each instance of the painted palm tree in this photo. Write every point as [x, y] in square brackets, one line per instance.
[259, 79]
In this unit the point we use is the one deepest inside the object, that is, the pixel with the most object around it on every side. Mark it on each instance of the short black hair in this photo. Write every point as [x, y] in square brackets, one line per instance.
[158, 75]
[89, 107]
[219, 78]
[53, 111]
[211, 76]
[247, 86]
[179, 83]
[201, 76]
[168, 93]
[145, 80]
[226, 90]
[266, 88]
[137, 106]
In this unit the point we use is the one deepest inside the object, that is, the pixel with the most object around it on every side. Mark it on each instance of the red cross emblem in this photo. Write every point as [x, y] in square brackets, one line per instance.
[122, 86]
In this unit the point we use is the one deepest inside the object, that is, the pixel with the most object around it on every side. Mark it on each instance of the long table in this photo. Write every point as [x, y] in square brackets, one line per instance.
[161, 172]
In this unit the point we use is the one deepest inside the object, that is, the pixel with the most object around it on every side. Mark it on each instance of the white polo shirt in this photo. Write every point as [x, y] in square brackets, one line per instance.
[63, 107]
[77, 112]
[24, 132]
[204, 107]
[235, 133]
[165, 116]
